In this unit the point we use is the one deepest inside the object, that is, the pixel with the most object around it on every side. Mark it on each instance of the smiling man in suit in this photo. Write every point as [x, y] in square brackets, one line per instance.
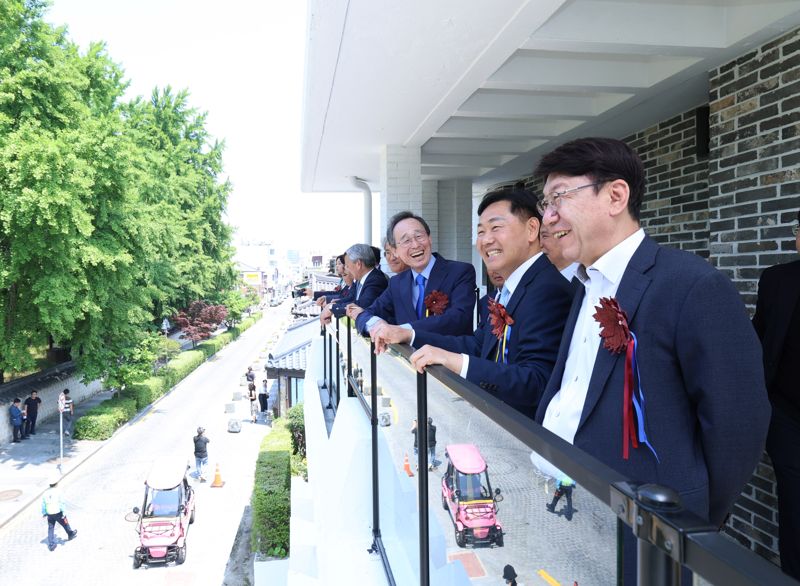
[368, 282]
[403, 302]
[699, 361]
[513, 364]
[777, 322]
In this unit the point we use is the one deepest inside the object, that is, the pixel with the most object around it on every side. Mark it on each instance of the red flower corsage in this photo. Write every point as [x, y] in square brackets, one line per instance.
[613, 325]
[435, 303]
[499, 318]
[337, 288]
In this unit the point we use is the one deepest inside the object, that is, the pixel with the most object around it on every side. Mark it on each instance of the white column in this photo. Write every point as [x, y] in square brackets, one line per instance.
[401, 182]
[456, 219]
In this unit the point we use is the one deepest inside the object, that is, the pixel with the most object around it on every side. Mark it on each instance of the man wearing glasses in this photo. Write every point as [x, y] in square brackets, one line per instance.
[515, 362]
[702, 428]
[403, 303]
[777, 322]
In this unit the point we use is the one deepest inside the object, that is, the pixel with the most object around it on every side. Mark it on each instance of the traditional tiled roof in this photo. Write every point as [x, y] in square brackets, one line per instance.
[289, 357]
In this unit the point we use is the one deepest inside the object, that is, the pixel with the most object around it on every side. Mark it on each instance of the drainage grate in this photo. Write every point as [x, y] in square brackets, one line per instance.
[9, 495]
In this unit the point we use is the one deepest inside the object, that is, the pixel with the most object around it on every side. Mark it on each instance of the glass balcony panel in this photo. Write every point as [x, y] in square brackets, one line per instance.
[474, 531]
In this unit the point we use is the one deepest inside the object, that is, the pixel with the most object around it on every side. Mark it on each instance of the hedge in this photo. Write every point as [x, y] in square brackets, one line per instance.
[100, 422]
[271, 501]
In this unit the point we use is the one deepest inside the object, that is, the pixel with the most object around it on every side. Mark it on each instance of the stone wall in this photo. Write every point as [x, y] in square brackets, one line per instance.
[49, 386]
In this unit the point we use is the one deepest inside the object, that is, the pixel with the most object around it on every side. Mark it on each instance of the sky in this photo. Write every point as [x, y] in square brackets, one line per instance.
[242, 62]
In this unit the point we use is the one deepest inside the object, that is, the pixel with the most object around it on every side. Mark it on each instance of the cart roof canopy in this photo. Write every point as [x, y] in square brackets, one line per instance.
[166, 473]
[466, 458]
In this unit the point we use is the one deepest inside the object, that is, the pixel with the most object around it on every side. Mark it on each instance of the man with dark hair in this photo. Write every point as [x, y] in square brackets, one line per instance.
[407, 301]
[698, 361]
[15, 413]
[777, 322]
[512, 360]
[31, 408]
[368, 282]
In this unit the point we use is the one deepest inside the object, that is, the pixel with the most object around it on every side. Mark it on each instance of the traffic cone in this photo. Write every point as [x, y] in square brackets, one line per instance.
[407, 466]
[218, 482]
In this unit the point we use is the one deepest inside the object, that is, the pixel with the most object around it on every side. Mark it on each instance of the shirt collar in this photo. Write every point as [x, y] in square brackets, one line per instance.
[515, 277]
[426, 272]
[613, 263]
[363, 279]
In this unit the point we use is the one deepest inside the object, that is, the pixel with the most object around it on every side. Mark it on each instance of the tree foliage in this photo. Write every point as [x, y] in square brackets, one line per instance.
[111, 212]
[200, 320]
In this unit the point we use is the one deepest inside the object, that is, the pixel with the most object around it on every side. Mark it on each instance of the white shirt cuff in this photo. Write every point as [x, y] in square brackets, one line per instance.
[464, 365]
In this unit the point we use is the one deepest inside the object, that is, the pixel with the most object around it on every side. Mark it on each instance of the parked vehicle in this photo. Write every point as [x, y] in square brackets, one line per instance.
[467, 496]
[167, 511]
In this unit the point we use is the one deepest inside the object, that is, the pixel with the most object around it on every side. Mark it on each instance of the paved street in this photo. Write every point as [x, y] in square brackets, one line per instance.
[107, 485]
[536, 541]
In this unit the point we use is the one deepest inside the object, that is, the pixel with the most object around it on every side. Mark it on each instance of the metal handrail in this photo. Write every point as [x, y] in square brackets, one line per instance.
[676, 538]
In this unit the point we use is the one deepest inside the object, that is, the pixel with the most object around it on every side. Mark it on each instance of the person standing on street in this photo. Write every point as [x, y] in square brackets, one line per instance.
[251, 394]
[16, 420]
[200, 453]
[67, 407]
[563, 488]
[431, 444]
[53, 510]
[31, 411]
[263, 396]
[510, 575]
[250, 375]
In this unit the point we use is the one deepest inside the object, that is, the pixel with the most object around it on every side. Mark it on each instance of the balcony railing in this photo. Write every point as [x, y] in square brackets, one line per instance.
[458, 513]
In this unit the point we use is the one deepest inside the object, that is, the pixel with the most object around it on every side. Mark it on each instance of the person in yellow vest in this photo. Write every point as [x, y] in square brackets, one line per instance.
[563, 488]
[53, 509]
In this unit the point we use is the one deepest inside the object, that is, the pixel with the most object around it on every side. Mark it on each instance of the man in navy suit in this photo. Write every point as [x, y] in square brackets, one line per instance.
[699, 361]
[368, 282]
[403, 302]
[515, 365]
[777, 322]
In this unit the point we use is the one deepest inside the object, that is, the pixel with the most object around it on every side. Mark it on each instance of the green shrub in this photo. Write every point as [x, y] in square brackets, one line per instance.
[147, 391]
[271, 499]
[297, 427]
[179, 367]
[100, 422]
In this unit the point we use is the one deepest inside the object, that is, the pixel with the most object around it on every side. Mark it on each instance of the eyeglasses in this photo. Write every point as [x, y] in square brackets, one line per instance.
[418, 237]
[795, 229]
[552, 201]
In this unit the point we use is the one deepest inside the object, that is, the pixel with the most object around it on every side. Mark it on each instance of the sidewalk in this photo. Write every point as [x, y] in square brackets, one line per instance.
[26, 467]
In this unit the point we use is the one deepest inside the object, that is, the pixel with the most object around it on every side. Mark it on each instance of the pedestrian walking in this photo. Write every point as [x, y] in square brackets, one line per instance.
[414, 433]
[16, 420]
[67, 408]
[510, 575]
[263, 396]
[31, 410]
[200, 453]
[432, 463]
[53, 509]
[250, 375]
[251, 393]
[564, 487]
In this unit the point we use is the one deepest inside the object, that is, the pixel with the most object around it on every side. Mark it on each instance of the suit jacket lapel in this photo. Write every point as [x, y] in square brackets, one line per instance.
[402, 297]
[629, 294]
[437, 274]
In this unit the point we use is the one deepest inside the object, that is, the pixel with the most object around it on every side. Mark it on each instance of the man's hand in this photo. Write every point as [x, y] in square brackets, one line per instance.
[320, 301]
[384, 334]
[353, 310]
[325, 316]
[308, 292]
[432, 355]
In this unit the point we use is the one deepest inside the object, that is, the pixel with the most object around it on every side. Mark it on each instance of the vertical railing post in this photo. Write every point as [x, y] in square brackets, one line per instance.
[376, 518]
[422, 464]
[350, 391]
[324, 358]
[654, 566]
[330, 367]
[337, 354]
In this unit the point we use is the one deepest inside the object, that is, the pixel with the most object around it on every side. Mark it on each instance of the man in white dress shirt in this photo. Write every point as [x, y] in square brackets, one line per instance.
[699, 361]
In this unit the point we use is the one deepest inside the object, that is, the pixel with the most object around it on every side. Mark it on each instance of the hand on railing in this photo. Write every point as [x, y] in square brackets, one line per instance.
[325, 317]
[432, 355]
[353, 310]
[384, 334]
[320, 301]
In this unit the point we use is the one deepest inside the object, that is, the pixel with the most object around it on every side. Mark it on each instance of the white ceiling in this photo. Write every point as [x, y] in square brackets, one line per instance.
[486, 87]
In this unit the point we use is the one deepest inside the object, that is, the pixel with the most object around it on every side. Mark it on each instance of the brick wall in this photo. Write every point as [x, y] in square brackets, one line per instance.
[736, 206]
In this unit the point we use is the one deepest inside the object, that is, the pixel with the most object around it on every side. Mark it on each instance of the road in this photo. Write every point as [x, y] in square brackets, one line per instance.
[540, 545]
[108, 485]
